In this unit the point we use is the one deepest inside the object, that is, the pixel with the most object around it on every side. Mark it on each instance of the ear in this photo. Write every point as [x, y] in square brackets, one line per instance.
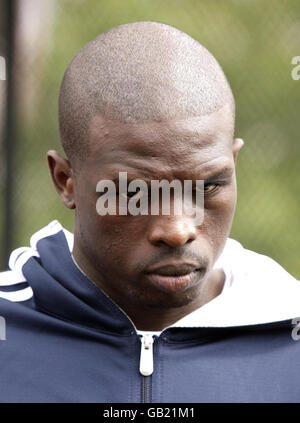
[237, 145]
[62, 176]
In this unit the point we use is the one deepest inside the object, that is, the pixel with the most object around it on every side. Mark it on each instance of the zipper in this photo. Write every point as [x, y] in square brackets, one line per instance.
[146, 364]
[146, 359]
[146, 389]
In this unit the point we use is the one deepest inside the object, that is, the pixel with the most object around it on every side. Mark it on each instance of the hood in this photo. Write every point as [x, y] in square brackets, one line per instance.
[257, 290]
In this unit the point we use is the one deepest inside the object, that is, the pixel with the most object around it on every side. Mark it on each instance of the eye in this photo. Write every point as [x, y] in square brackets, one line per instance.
[135, 194]
[210, 187]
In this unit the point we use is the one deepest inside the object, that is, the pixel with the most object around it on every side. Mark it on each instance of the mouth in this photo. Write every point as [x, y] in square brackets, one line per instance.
[172, 278]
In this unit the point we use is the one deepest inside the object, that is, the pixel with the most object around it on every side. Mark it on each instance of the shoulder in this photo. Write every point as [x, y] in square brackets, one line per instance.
[250, 264]
[257, 289]
[14, 287]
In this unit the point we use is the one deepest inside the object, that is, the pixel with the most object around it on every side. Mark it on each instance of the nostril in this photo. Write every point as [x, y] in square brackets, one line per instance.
[173, 239]
[190, 240]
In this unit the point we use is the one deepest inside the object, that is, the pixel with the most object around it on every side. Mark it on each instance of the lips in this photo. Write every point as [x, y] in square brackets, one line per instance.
[174, 277]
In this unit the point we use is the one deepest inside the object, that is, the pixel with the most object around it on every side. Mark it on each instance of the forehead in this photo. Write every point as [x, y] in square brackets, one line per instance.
[179, 144]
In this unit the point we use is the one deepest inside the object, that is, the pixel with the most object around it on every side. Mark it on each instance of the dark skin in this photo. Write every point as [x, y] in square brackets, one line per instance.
[116, 251]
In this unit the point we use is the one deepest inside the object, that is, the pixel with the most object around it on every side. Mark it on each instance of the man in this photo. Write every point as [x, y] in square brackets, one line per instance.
[147, 307]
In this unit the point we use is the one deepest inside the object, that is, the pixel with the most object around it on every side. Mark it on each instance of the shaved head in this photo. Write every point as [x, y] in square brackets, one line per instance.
[147, 99]
[142, 71]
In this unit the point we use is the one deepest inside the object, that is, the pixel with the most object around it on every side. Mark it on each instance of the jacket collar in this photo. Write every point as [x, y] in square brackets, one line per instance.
[257, 290]
[62, 290]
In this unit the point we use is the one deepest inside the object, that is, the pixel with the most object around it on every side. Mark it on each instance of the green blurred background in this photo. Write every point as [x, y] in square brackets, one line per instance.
[253, 40]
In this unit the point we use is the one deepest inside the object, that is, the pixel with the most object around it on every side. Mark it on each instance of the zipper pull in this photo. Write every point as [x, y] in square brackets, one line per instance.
[146, 359]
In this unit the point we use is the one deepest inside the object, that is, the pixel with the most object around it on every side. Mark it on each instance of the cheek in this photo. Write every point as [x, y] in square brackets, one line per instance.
[122, 243]
[221, 206]
[218, 216]
[108, 236]
[112, 239]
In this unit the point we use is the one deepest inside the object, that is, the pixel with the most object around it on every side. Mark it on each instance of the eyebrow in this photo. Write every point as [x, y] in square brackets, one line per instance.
[212, 170]
[131, 177]
[226, 172]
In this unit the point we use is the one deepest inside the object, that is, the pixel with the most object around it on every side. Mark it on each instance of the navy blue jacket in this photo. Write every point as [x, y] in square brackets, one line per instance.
[68, 342]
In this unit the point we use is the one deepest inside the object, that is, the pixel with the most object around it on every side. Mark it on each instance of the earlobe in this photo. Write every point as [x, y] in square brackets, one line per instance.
[62, 177]
[237, 145]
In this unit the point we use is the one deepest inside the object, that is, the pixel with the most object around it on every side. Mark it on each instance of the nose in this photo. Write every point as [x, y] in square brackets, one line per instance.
[174, 231]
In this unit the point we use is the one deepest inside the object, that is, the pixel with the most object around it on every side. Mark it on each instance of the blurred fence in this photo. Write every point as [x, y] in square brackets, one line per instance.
[254, 41]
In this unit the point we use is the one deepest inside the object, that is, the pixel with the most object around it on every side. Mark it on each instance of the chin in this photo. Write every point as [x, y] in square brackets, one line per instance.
[168, 301]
